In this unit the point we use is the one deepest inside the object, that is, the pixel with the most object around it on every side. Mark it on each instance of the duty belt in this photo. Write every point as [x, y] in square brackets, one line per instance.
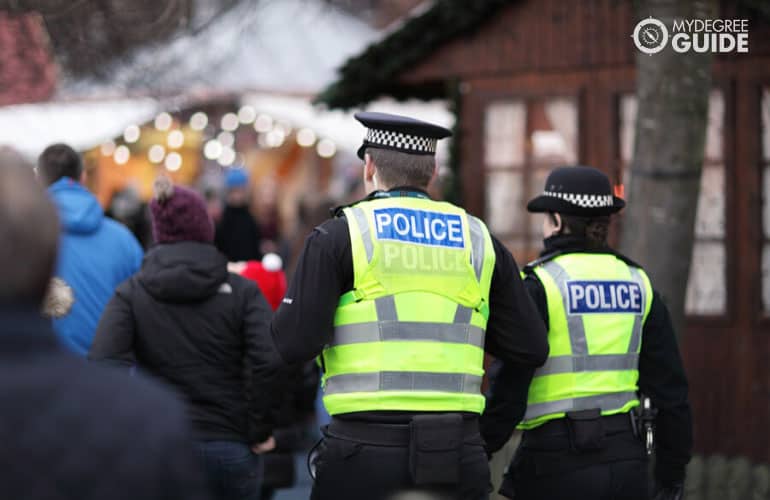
[389, 434]
[555, 433]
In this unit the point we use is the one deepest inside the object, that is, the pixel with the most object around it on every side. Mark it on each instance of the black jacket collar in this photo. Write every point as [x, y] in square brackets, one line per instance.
[561, 244]
[405, 191]
[567, 243]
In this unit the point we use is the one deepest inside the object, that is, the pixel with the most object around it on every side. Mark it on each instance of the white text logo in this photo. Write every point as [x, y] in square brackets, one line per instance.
[699, 35]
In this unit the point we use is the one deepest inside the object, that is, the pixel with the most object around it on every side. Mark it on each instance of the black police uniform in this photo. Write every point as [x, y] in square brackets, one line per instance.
[364, 455]
[547, 465]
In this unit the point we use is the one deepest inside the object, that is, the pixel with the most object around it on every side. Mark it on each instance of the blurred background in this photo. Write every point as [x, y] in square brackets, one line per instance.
[199, 89]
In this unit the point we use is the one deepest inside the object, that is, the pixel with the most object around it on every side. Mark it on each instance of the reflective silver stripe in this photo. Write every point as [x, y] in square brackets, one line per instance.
[463, 314]
[403, 381]
[386, 308]
[580, 360]
[604, 402]
[357, 333]
[636, 334]
[387, 327]
[595, 363]
[577, 333]
[366, 233]
[477, 244]
[387, 318]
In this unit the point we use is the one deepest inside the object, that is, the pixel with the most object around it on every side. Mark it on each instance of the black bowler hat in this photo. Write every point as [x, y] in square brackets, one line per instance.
[399, 133]
[582, 191]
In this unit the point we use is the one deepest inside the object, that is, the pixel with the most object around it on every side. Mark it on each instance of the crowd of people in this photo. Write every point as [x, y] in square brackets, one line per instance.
[191, 370]
[192, 313]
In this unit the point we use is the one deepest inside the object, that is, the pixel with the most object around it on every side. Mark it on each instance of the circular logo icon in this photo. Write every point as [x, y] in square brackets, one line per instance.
[650, 35]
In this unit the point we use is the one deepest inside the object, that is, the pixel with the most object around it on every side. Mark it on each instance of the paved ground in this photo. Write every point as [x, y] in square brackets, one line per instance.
[301, 490]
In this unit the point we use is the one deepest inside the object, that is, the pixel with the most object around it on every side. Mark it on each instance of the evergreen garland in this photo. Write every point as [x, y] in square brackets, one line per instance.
[375, 72]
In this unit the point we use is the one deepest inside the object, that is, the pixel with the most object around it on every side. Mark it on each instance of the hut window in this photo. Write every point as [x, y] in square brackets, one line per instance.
[523, 141]
[706, 284]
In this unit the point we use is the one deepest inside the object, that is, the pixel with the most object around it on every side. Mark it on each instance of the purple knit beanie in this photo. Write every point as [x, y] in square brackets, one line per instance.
[179, 214]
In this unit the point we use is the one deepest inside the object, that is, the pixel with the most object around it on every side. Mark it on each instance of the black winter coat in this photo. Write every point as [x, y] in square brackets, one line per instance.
[187, 321]
[71, 430]
[238, 235]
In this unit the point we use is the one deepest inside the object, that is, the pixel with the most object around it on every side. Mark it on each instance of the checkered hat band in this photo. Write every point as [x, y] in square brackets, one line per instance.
[399, 140]
[584, 200]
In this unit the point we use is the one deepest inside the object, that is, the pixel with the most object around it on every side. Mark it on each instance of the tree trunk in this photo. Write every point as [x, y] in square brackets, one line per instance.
[672, 92]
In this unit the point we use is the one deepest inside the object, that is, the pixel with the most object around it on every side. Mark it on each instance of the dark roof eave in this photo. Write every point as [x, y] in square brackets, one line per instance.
[424, 91]
[376, 71]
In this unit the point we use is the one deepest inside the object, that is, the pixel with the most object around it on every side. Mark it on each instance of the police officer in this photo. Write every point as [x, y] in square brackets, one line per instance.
[610, 336]
[400, 295]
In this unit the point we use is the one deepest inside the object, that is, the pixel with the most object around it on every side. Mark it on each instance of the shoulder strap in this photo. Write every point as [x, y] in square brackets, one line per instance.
[625, 259]
[530, 267]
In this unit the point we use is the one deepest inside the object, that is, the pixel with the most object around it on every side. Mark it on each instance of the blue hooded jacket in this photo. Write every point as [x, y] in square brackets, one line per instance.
[96, 254]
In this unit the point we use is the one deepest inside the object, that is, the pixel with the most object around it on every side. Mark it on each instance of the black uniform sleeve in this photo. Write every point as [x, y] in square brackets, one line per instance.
[113, 342]
[506, 403]
[509, 382]
[304, 322]
[537, 293]
[662, 378]
[515, 333]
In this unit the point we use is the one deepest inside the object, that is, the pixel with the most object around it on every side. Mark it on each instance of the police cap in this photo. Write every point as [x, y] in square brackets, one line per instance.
[399, 133]
[581, 191]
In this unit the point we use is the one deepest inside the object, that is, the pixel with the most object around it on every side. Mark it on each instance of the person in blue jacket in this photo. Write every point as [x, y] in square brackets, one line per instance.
[96, 253]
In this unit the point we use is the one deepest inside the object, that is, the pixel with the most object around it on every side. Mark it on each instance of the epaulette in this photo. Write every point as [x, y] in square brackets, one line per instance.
[337, 211]
[530, 267]
[626, 259]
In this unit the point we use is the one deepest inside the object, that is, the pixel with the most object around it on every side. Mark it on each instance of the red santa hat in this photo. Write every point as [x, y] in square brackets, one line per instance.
[270, 277]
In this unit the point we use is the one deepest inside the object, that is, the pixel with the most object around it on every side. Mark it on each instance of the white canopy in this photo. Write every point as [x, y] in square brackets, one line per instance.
[340, 126]
[29, 128]
[291, 46]
[270, 51]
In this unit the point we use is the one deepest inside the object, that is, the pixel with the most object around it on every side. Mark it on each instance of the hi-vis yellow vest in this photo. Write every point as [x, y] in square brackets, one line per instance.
[410, 336]
[597, 306]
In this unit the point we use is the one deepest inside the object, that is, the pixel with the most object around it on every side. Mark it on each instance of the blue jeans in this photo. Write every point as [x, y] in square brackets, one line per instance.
[234, 472]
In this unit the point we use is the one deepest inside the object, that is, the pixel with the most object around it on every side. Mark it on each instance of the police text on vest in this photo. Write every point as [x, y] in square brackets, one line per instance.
[419, 226]
[588, 297]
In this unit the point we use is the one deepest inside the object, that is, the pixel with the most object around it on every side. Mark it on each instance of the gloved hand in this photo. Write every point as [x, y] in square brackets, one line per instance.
[673, 491]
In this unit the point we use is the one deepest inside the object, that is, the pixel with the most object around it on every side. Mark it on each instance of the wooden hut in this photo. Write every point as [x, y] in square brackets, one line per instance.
[541, 83]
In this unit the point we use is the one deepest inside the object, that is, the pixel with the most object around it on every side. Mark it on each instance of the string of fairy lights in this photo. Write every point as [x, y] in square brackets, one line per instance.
[218, 141]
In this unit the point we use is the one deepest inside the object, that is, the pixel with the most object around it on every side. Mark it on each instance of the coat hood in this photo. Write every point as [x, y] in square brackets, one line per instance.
[79, 211]
[183, 272]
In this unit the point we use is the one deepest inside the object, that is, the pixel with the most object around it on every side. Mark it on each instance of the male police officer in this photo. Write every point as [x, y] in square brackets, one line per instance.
[610, 336]
[400, 295]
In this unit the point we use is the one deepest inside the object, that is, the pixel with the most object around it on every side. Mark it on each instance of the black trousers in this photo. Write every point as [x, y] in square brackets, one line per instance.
[549, 467]
[347, 470]
[622, 480]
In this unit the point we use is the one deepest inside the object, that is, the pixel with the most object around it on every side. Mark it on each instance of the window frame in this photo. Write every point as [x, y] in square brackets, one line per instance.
[728, 316]
[761, 316]
[484, 99]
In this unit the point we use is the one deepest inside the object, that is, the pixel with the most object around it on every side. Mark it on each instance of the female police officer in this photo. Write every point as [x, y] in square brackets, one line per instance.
[610, 336]
[400, 295]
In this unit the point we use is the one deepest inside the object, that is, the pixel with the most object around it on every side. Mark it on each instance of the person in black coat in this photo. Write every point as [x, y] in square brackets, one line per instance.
[71, 429]
[591, 449]
[238, 235]
[187, 321]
